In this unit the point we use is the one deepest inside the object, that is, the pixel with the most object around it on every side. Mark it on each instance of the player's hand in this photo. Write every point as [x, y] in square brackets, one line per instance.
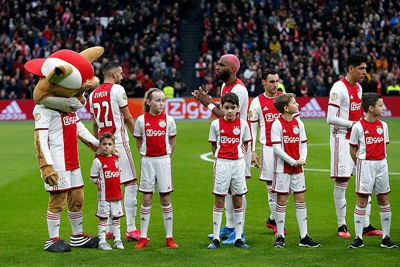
[255, 160]
[49, 175]
[201, 96]
[115, 152]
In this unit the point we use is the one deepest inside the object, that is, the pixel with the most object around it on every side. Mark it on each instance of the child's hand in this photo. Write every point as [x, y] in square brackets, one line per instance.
[255, 161]
[299, 163]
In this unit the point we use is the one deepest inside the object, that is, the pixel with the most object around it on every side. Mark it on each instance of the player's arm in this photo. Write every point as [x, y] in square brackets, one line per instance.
[139, 142]
[213, 147]
[172, 142]
[94, 172]
[335, 100]
[354, 141]
[333, 119]
[202, 96]
[128, 119]
[353, 152]
[95, 127]
[254, 122]
[86, 137]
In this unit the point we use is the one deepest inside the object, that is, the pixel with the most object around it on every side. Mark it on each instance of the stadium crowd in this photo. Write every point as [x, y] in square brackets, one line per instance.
[306, 41]
[143, 36]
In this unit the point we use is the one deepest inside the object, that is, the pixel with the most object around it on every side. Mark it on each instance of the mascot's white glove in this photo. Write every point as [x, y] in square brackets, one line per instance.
[94, 180]
[65, 104]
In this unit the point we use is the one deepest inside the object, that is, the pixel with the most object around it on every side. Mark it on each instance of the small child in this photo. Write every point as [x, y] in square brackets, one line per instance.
[105, 173]
[368, 141]
[289, 141]
[155, 134]
[229, 137]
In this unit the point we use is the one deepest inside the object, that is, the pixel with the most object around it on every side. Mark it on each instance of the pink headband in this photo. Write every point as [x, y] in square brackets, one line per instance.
[232, 61]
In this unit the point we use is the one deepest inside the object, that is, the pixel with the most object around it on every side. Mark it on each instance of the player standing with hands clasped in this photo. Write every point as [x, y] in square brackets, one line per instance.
[229, 137]
[289, 140]
[109, 107]
[155, 133]
[344, 110]
[105, 173]
[226, 70]
[263, 113]
[368, 141]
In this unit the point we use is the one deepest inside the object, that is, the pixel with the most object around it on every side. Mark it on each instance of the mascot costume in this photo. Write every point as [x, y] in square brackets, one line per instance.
[64, 77]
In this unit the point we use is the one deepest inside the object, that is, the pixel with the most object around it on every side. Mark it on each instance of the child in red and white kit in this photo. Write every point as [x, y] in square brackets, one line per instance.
[105, 173]
[155, 133]
[289, 141]
[368, 141]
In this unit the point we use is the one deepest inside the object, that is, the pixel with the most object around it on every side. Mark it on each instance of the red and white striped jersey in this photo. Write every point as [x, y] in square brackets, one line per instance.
[230, 137]
[62, 150]
[155, 132]
[105, 105]
[106, 170]
[263, 111]
[291, 135]
[348, 99]
[240, 90]
[371, 139]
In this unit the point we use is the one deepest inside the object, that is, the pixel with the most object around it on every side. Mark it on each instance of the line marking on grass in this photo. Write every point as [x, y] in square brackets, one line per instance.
[206, 158]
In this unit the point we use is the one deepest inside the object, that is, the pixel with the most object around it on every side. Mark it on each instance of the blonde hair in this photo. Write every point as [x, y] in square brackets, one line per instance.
[147, 96]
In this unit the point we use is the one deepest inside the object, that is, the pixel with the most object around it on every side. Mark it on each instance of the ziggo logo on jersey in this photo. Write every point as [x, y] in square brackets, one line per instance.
[288, 139]
[373, 140]
[69, 120]
[111, 174]
[271, 117]
[151, 132]
[229, 140]
[355, 106]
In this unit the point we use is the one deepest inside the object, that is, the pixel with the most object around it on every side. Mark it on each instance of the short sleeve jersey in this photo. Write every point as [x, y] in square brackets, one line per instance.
[291, 135]
[240, 90]
[230, 137]
[105, 105]
[371, 139]
[106, 170]
[347, 99]
[62, 140]
[155, 132]
[263, 111]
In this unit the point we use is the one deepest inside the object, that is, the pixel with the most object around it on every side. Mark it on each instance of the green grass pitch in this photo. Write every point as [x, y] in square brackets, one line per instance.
[23, 201]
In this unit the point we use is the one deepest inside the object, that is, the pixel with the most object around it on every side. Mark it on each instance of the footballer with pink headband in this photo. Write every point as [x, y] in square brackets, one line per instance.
[227, 67]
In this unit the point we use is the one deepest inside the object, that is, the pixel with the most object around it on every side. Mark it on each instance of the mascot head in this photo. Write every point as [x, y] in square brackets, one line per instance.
[65, 74]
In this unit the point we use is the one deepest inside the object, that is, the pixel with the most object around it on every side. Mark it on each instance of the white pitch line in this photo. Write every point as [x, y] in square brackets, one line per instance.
[206, 158]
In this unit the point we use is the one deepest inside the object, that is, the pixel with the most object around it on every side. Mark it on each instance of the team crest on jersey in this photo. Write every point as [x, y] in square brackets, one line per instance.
[162, 123]
[124, 96]
[379, 130]
[334, 96]
[236, 131]
[37, 116]
[116, 164]
[296, 129]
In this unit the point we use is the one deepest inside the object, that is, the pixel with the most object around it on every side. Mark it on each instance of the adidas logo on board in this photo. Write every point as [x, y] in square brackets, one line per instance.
[12, 113]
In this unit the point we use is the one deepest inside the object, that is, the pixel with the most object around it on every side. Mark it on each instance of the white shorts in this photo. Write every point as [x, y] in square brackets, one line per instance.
[267, 163]
[67, 180]
[156, 170]
[287, 183]
[126, 165]
[342, 164]
[248, 161]
[372, 175]
[229, 177]
[112, 209]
